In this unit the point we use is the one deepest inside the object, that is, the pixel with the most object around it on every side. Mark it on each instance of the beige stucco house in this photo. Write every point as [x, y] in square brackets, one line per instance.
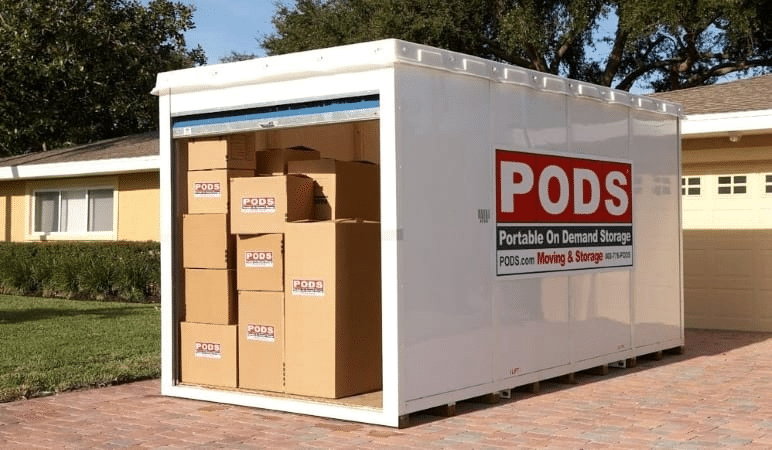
[110, 191]
[727, 203]
[107, 190]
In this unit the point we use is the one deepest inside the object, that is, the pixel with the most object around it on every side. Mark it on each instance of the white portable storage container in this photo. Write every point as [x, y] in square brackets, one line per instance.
[530, 224]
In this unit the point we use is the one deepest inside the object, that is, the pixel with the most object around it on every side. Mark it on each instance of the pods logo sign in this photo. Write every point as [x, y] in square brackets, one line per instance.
[561, 213]
[535, 188]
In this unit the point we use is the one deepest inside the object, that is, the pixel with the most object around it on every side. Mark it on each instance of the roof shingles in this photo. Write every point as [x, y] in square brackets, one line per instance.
[136, 145]
[750, 94]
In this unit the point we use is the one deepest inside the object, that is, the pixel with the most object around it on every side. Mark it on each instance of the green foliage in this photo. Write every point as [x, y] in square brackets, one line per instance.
[56, 345]
[668, 44]
[236, 56]
[127, 271]
[77, 71]
[454, 24]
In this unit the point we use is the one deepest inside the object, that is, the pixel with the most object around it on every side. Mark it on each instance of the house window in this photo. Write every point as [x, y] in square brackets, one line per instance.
[75, 211]
[690, 186]
[732, 184]
[768, 183]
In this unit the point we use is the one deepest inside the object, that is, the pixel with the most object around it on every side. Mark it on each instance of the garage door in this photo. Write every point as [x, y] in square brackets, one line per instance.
[727, 220]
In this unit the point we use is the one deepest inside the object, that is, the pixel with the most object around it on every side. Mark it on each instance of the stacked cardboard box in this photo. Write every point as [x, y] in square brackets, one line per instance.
[262, 206]
[344, 189]
[333, 284]
[208, 333]
[333, 308]
[282, 271]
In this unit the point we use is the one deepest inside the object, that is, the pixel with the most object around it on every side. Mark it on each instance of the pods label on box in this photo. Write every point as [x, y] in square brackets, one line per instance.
[258, 259]
[314, 288]
[207, 189]
[260, 205]
[262, 333]
[209, 350]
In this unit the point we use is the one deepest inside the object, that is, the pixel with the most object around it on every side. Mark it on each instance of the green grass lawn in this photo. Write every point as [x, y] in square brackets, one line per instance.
[54, 345]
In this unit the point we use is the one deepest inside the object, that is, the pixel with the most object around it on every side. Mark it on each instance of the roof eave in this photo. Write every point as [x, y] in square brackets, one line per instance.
[706, 125]
[82, 168]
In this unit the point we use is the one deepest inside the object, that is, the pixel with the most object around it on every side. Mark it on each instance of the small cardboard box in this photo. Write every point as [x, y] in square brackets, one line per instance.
[344, 189]
[208, 354]
[208, 189]
[206, 243]
[273, 161]
[210, 296]
[235, 151]
[260, 265]
[332, 308]
[265, 204]
[261, 340]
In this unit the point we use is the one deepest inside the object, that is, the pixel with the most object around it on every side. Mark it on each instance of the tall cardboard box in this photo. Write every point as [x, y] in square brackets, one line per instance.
[344, 189]
[261, 340]
[265, 204]
[260, 265]
[235, 151]
[208, 189]
[208, 354]
[273, 161]
[206, 243]
[332, 308]
[210, 296]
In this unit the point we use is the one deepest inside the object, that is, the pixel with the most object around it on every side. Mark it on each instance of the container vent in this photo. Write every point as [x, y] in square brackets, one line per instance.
[484, 215]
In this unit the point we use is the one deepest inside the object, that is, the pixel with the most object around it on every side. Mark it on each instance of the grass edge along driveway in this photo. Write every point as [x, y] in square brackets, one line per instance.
[55, 345]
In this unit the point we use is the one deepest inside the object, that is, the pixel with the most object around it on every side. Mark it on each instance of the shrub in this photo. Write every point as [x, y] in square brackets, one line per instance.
[126, 271]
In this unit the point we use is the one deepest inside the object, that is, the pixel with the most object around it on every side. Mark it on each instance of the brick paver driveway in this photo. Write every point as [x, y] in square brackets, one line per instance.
[714, 395]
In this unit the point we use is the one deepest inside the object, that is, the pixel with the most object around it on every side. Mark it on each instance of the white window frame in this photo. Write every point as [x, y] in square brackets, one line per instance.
[766, 184]
[733, 184]
[685, 185]
[67, 235]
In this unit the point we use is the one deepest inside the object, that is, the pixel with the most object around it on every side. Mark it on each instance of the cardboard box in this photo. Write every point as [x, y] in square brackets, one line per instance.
[235, 151]
[210, 296]
[261, 340]
[265, 204]
[260, 265]
[332, 308]
[208, 354]
[344, 189]
[208, 189]
[273, 161]
[206, 243]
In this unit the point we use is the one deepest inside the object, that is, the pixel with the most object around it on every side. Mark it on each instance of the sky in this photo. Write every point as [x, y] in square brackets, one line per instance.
[232, 25]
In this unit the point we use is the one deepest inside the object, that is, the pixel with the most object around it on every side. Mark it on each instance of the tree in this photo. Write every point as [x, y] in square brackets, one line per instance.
[237, 56]
[658, 44]
[75, 71]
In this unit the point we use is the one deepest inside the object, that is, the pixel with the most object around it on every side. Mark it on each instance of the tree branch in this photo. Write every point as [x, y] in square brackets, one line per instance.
[614, 58]
[537, 60]
[628, 81]
[505, 56]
